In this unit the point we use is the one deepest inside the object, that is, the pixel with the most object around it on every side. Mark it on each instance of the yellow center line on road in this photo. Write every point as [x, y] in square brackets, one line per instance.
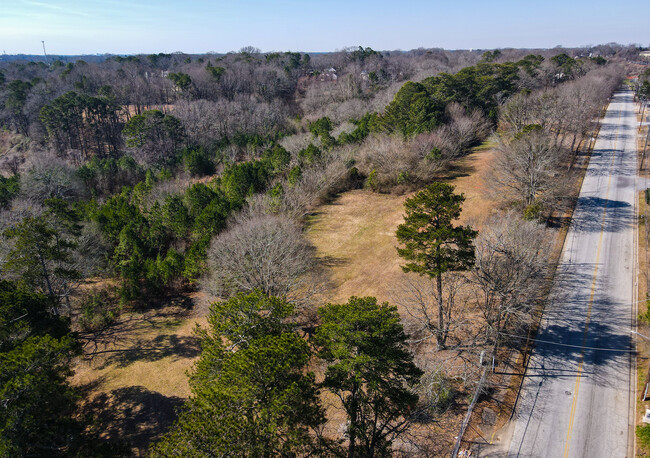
[576, 390]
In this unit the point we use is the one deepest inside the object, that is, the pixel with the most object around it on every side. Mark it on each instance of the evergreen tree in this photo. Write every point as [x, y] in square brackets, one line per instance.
[370, 370]
[36, 401]
[432, 244]
[251, 393]
[43, 251]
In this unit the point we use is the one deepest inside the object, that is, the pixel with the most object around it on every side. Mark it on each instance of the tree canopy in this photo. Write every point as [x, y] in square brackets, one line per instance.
[370, 370]
[35, 354]
[251, 392]
[420, 107]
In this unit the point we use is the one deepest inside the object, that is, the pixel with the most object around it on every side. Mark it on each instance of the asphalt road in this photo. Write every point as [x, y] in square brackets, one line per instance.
[575, 400]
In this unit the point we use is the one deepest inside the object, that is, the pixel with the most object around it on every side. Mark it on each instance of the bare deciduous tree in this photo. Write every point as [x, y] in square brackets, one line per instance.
[262, 252]
[527, 166]
[465, 128]
[318, 182]
[419, 297]
[516, 113]
[207, 122]
[50, 177]
[510, 269]
[391, 159]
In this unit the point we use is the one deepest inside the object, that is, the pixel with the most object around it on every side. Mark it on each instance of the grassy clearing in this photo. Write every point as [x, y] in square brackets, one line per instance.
[355, 234]
[140, 346]
[134, 374]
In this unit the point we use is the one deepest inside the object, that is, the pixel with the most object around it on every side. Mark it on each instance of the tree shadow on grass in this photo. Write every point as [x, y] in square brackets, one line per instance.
[332, 261]
[141, 337]
[181, 301]
[148, 350]
[457, 170]
[133, 417]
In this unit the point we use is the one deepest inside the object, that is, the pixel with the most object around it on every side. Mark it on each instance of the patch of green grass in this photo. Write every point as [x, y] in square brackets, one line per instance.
[485, 145]
[645, 316]
[171, 323]
[643, 434]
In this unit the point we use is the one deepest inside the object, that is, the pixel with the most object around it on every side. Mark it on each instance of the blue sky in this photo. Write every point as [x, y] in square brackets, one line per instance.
[193, 26]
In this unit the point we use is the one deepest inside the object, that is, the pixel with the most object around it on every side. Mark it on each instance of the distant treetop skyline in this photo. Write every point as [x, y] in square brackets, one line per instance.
[199, 26]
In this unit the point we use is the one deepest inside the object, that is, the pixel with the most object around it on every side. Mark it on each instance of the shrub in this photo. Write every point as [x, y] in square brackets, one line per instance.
[372, 181]
[97, 311]
[278, 158]
[9, 188]
[198, 161]
[533, 212]
[294, 176]
[436, 393]
[310, 154]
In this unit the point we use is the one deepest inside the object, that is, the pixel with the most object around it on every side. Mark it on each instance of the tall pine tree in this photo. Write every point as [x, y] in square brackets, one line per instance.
[432, 245]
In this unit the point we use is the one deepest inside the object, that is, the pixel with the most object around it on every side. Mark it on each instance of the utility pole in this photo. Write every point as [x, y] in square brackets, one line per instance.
[644, 102]
[647, 138]
[645, 146]
[44, 53]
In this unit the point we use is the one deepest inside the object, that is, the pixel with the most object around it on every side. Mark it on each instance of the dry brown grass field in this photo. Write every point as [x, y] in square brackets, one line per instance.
[355, 234]
[134, 374]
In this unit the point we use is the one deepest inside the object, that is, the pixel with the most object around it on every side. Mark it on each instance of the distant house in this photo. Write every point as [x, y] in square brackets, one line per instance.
[644, 55]
[163, 74]
[329, 75]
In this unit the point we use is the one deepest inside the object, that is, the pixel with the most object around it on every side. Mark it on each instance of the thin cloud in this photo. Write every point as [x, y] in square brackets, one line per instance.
[57, 8]
[131, 4]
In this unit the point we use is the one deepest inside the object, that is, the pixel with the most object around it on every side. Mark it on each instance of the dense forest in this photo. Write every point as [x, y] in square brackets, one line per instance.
[156, 175]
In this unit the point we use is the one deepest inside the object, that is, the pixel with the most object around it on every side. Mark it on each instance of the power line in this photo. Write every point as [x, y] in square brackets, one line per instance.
[569, 345]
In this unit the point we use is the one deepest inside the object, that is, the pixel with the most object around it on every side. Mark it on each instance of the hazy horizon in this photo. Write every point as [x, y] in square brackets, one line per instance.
[198, 26]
